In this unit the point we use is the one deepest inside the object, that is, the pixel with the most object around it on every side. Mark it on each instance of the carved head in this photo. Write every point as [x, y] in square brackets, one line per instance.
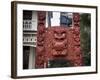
[59, 33]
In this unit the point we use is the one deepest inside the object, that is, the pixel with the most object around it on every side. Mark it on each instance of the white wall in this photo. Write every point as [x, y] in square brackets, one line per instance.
[56, 19]
[5, 41]
[34, 20]
[32, 58]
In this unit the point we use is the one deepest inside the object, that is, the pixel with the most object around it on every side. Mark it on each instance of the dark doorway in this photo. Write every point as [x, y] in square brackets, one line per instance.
[26, 51]
[58, 63]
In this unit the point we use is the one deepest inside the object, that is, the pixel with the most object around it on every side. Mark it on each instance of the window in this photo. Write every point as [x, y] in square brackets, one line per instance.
[65, 19]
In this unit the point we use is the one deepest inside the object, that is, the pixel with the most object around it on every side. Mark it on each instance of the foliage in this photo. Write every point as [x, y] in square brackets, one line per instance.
[85, 34]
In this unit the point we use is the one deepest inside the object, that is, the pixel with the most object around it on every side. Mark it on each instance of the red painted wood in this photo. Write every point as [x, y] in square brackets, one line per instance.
[58, 42]
[40, 49]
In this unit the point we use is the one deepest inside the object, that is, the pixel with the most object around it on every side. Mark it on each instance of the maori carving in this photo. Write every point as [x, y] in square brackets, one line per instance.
[76, 19]
[58, 42]
[55, 43]
[40, 50]
[77, 57]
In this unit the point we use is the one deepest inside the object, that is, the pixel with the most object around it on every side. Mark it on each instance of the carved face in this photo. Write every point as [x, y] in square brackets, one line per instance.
[59, 34]
[59, 42]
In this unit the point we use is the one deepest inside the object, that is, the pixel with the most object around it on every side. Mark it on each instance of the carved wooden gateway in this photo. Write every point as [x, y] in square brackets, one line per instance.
[58, 46]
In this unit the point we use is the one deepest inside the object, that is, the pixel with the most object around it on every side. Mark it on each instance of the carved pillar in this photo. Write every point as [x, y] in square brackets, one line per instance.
[74, 48]
[40, 50]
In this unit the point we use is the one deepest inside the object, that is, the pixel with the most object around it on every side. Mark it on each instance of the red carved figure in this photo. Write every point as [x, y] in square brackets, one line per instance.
[58, 42]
